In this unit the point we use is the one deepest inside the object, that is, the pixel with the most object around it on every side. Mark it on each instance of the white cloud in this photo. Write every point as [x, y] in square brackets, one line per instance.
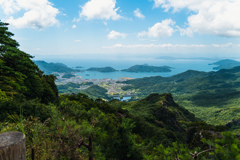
[159, 30]
[76, 20]
[142, 39]
[77, 40]
[173, 46]
[113, 35]
[9, 6]
[37, 13]
[185, 31]
[227, 45]
[105, 23]
[157, 46]
[158, 3]
[218, 17]
[74, 26]
[138, 14]
[100, 9]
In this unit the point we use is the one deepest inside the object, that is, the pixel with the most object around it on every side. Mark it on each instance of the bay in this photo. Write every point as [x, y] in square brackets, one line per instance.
[178, 66]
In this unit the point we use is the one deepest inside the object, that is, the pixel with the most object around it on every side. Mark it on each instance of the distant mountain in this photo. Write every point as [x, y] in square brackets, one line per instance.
[213, 96]
[225, 64]
[103, 69]
[49, 68]
[68, 75]
[146, 68]
[79, 67]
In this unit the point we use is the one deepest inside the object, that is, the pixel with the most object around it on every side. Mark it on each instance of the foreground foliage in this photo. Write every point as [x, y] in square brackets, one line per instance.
[116, 133]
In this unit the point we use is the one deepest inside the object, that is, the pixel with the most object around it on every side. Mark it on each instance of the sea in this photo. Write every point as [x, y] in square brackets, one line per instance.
[178, 66]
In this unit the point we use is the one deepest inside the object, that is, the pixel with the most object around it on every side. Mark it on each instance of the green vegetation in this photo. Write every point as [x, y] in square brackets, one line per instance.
[96, 92]
[225, 64]
[212, 96]
[146, 68]
[79, 67]
[60, 130]
[87, 83]
[104, 69]
[49, 68]
[69, 88]
[68, 75]
[77, 127]
[20, 77]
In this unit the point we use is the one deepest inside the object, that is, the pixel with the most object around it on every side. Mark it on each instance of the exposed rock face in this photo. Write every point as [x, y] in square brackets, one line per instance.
[152, 98]
[169, 99]
[12, 146]
[166, 111]
[168, 117]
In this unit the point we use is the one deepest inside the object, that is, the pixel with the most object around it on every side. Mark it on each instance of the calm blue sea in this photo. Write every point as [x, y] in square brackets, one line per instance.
[178, 66]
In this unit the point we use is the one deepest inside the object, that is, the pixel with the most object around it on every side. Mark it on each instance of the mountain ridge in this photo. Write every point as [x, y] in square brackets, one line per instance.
[49, 68]
[225, 64]
[209, 95]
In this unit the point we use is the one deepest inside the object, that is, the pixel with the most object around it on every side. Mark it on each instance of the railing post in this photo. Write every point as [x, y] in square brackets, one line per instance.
[33, 153]
[90, 147]
[12, 146]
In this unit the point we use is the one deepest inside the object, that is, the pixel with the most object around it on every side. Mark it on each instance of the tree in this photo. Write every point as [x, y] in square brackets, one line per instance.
[10, 80]
[20, 76]
[124, 147]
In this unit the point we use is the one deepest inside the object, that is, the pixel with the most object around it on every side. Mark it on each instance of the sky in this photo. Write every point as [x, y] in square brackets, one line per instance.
[125, 28]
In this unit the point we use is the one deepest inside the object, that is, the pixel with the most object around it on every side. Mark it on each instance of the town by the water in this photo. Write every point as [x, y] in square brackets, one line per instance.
[113, 86]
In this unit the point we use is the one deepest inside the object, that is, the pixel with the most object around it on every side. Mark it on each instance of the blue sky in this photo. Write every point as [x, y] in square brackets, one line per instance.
[125, 28]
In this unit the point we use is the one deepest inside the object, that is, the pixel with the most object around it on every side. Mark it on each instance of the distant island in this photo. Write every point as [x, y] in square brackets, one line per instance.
[225, 64]
[103, 69]
[79, 67]
[68, 75]
[49, 68]
[146, 68]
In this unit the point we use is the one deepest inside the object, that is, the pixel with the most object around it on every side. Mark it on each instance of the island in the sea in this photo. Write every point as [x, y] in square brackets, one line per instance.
[225, 64]
[147, 68]
[68, 75]
[102, 69]
[79, 67]
[50, 68]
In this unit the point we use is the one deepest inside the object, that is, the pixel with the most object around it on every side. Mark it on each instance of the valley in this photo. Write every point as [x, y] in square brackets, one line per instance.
[211, 96]
[76, 84]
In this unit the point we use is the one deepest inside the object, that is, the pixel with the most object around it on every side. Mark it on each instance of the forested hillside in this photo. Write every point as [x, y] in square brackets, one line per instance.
[78, 127]
[104, 69]
[146, 68]
[49, 68]
[212, 96]
[20, 77]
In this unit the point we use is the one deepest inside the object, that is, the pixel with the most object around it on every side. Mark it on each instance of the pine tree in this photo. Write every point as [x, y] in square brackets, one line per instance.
[19, 74]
